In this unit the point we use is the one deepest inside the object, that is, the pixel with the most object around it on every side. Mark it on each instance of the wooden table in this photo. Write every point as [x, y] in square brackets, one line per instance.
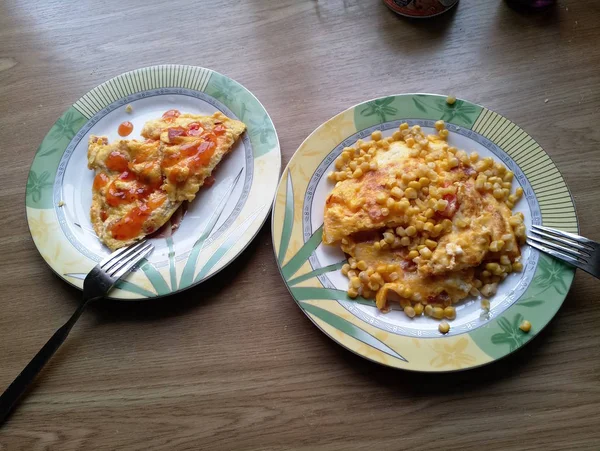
[234, 364]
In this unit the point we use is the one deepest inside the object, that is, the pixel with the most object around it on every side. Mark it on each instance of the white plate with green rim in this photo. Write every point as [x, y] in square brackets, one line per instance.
[218, 224]
[312, 270]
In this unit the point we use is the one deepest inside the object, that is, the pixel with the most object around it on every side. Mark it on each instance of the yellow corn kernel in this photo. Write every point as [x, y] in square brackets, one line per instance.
[443, 133]
[373, 286]
[485, 304]
[428, 227]
[352, 292]
[410, 141]
[450, 312]
[380, 198]
[376, 135]
[400, 231]
[385, 211]
[419, 225]
[411, 231]
[362, 265]
[408, 177]
[418, 309]
[493, 267]
[409, 311]
[489, 289]
[426, 253]
[390, 203]
[505, 260]
[508, 176]
[412, 254]
[444, 327]
[424, 181]
[405, 241]
[498, 193]
[453, 162]
[517, 266]
[397, 136]
[441, 205]
[440, 125]
[345, 269]
[497, 245]
[403, 126]
[364, 277]
[428, 310]
[414, 185]
[519, 192]
[373, 166]
[461, 222]
[438, 313]
[451, 100]
[384, 144]
[388, 237]
[431, 244]
[377, 245]
[397, 192]
[438, 229]
[410, 193]
[525, 326]
[357, 173]
[355, 282]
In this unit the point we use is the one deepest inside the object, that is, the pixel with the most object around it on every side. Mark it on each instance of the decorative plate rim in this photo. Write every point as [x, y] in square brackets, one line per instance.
[128, 86]
[341, 333]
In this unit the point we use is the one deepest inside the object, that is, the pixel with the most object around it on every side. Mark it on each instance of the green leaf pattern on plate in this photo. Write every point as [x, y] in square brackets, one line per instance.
[36, 184]
[349, 328]
[415, 106]
[459, 112]
[248, 109]
[511, 335]
[45, 164]
[381, 108]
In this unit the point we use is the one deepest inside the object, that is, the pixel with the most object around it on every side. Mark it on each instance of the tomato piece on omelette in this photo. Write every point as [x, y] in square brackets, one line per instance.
[193, 146]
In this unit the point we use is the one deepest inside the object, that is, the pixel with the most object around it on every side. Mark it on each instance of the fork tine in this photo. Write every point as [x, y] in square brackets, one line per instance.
[558, 247]
[580, 239]
[116, 257]
[116, 268]
[556, 254]
[558, 239]
[134, 261]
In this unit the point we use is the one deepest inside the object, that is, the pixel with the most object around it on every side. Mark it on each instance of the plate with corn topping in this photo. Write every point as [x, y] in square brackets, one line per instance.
[180, 155]
[399, 228]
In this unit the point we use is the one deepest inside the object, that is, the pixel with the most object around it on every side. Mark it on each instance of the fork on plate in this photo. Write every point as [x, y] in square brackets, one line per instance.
[572, 249]
[101, 279]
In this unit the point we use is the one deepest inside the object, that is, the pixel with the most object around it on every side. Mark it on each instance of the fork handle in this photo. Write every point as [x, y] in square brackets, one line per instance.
[12, 394]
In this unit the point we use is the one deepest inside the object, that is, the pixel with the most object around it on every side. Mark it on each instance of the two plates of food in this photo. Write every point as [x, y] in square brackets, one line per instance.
[398, 225]
[181, 154]
[399, 229]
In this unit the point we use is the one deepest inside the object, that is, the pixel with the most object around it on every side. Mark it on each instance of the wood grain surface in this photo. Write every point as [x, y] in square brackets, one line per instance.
[233, 363]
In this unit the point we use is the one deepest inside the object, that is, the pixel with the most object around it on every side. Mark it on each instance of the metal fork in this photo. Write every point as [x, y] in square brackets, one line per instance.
[568, 247]
[96, 285]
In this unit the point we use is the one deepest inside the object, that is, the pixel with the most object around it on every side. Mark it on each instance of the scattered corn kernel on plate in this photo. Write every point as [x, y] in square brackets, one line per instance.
[399, 228]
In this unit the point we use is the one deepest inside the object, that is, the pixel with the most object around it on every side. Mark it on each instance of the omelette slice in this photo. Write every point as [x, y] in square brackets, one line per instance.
[128, 201]
[192, 146]
[401, 277]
